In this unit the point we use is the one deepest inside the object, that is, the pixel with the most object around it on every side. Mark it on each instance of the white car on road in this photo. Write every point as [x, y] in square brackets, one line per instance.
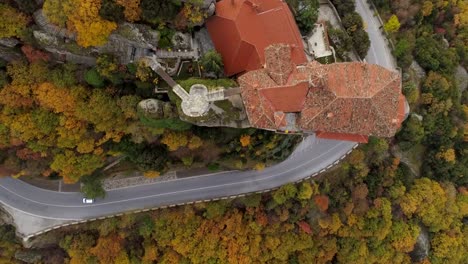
[88, 200]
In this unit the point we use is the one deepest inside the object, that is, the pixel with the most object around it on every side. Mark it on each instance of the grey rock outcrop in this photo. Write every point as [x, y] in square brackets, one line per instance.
[9, 42]
[29, 256]
[461, 76]
[422, 246]
[9, 54]
[156, 109]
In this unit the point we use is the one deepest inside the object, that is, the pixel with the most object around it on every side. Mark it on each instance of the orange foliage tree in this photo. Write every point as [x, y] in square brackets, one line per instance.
[245, 140]
[108, 248]
[132, 10]
[91, 29]
[34, 55]
[174, 140]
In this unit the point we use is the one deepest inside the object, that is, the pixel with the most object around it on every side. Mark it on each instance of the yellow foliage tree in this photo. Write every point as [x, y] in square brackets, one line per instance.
[72, 166]
[151, 174]
[193, 13]
[91, 29]
[450, 246]
[432, 203]
[260, 166]
[85, 146]
[12, 22]
[392, 25]
[461, 19]
[427, 8]
[447, 155]
[174, 140]
[58, 11]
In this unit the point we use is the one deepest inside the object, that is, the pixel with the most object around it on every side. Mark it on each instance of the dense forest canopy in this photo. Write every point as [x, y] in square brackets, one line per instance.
[378, 206]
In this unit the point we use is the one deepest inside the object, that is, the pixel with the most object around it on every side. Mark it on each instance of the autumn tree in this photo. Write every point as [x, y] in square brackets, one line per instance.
[72, 166]
[108, 248]
[77, 247]
[428, 200]
[103, 112]
[284, 193]
[107, 65]
[132, 9]
[91, 29]
[58, 100]
[174, 140]
[191, 14]
[12, 23]
[58, 11]
[245, 140]
[195, 142]
[450, 246]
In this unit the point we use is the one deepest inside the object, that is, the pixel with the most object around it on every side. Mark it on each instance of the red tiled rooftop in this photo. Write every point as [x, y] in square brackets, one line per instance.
[241, 30]
[343, 101]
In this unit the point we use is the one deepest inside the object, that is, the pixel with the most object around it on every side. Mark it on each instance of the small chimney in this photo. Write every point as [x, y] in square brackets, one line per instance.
[254, 6]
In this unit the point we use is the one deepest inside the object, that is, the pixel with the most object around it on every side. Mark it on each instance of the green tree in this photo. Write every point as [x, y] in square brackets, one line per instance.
[412, 132]
[112, 11]
[432, 56]
[361, 42]
[159, 11]
[93, 78]
[92, 186]
[146, 226]
[212, 62]
[284, 193]
[307, 15]
[215, 209]
[352, 22]
[403, 52]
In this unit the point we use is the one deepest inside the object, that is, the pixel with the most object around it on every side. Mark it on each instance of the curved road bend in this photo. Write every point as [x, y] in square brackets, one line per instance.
[311, 156]
[379, 51]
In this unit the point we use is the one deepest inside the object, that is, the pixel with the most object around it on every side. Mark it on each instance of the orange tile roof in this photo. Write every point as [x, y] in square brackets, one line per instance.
[346, 101]
[366, 100]
[287, 98]
[242, 29]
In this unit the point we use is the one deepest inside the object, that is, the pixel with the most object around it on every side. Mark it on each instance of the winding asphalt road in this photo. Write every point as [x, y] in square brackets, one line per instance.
[311, 156]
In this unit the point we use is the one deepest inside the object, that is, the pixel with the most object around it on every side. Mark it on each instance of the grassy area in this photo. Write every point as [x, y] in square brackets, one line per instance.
[189, 69]
[211, 84]
[326, 60]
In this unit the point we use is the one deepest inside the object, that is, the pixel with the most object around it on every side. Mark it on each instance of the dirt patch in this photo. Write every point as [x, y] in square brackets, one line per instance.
[209, 152]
